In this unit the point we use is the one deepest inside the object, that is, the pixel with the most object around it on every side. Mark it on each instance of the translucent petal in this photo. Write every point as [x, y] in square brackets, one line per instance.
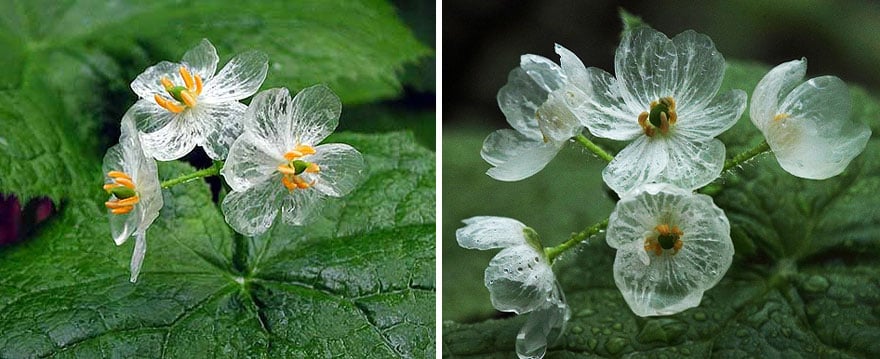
[202, 60]
[251, 212]
[556, 121]
[269, 118]
[573, 68]
[250, 164]
[149, 82]
[342, 168]
[772, 88]
[485, 232]
[150, 117]
[720, 115]
[668, 283]
[692, 164]
[608, 115]
[137, 257]
[646, 64]
[519, 100]
[299, 207]
[818, 139]
[122, 225]
[519, 280]
[173, 141]
[545, 73]
[642, 161]
[700, 70]
[240, 78]
[514, 156]
[543, 326]
[220, 124]
[314, 115]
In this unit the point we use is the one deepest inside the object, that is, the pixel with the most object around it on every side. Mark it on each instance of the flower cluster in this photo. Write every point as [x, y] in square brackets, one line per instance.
[672, 244]
[274, 159]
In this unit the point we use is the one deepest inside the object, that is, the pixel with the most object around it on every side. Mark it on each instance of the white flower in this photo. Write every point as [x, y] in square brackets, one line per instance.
[672, 245]
[135, 197]
[807, 125]
[278, 164]
[184, 105]
[519, 279]
[535, 101]
[664, 101]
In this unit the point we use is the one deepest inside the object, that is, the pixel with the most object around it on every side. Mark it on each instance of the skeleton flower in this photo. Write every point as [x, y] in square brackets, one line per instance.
[535, 101]
[186, 104]
[277, 162]
[519, 279]
[672, 245]
[664, 101]
[807, 124]
[135, 197]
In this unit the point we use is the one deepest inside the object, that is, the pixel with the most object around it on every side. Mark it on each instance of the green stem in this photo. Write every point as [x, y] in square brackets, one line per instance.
[594, 148]
[745, 156]
[553, 252]
[207, 172]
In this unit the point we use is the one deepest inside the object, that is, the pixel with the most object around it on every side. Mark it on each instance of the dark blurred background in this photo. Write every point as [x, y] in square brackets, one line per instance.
[482, 42]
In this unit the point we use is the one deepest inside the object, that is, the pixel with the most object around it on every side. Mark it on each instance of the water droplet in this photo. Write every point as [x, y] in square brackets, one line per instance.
[577, 329]
[617, 326]
[816, 284]
[592, 343]
[742, 333]
[615, 345]
[699, 316]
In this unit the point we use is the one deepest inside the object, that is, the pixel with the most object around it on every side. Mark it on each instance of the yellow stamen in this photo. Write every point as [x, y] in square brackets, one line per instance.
[125, 182]
[313, 168]
[305, 149]
[292, 155]
[287, 183]
[187, 79]
[167, 83]
[781, 117]
[187, 98]
[130, 201]
[118, 174]
[198, 85]
[652, 243]
[122, 210]
[285, 169]
[168, 105]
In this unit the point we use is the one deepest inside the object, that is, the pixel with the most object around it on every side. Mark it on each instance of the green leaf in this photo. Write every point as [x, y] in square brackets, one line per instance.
[67, 66]
[356, 284]
[803, 282]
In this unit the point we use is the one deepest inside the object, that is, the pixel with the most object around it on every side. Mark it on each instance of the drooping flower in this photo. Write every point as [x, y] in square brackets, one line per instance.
[135, 196]
[664, 101]
[807, 124]
[672, 245]
[186, 104]
[535, 101]
[278, 164]
[519, 279]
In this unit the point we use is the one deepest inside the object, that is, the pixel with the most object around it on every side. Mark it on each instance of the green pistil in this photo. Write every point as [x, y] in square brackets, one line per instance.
[667, 241]
[175, 92]
[300, 166]
[654, 116]
[122, 192]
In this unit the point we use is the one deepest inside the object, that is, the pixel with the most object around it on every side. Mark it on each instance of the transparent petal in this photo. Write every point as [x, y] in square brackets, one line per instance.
[149, 116]
[519, 280]
[221, 124]
[573, 68]
[519, 100]
[700, 70]
[148, 83]
[719, 116]
[250, 164]
[202, 60]
[485, 232]
[122, 225]
[173, 141]
[772, 88]
[818, 139]
[137, 256]
[668, 283]
[240, 78]
[608, 115]
[269, 118]
[646, 64]
[314, 115]
[545, 73]
[514, 156]
[300, 207]
[150, 191]
[692, 164]
[543, 326]
[251, 212]
[642, 161]
[342, 168]
[556, 121]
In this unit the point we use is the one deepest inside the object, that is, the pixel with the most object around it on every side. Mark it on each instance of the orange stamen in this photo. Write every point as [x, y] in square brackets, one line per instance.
[305, 149]
[187, 98]
[780, 117]
[130, 201]
[313, 168]
[125, 182]
[187, 78]
[167, 83]
[198, 85]
[287, 183]
[168, 105]
[115, 174]
[122, 210]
